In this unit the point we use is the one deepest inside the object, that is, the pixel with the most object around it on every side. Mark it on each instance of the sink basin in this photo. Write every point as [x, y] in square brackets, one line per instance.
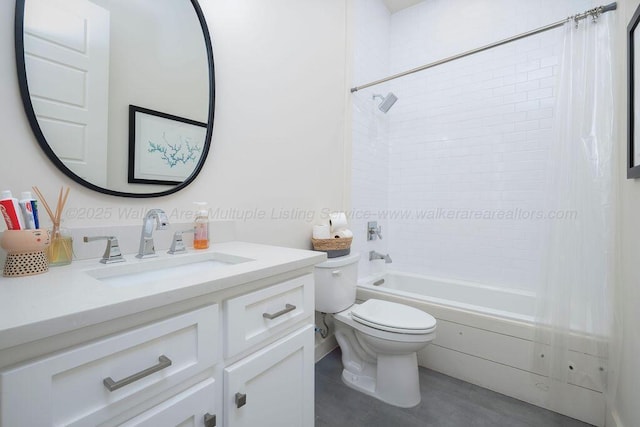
[177, 267]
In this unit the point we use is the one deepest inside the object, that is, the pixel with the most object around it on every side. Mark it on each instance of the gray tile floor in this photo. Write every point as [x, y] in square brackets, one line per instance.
[446, 402]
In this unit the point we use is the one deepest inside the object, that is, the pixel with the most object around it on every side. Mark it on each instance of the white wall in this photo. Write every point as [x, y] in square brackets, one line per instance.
[278, 141]
[370, 139]
[469, 137]
[145, 56]
[626, 407]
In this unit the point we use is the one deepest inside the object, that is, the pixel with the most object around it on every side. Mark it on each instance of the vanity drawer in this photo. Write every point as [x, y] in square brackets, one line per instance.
[71, 388]
[256, 316]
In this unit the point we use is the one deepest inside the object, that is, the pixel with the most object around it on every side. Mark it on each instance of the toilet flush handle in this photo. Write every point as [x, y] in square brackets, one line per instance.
[336, 273]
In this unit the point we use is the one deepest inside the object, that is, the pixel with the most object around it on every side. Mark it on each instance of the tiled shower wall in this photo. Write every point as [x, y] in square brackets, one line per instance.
[370, 161]
[467, 142]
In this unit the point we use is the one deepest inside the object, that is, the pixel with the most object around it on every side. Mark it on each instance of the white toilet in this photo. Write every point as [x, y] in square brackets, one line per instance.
[379, 339]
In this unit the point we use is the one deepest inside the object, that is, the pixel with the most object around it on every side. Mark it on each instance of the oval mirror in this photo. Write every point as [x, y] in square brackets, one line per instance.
[119, 93]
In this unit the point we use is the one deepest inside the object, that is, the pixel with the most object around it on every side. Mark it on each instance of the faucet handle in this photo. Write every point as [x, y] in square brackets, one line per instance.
[112, 253]
[373, 230]
[163, 220]
[177, 244]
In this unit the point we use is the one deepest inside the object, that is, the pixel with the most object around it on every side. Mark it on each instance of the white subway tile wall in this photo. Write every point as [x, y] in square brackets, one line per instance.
[370, 160]
[466, 146]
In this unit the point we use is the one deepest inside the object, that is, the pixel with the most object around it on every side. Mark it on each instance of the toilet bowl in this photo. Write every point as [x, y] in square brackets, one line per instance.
[379, 339]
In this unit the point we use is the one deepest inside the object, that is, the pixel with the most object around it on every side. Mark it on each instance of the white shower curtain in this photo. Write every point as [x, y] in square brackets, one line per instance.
[574, 305]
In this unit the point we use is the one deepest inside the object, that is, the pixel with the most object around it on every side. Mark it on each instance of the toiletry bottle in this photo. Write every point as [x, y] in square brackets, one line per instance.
[201, 227]
[11, 211]
[29, 208]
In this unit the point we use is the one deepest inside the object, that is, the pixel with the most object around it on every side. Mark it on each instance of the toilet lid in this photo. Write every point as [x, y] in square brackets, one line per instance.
[393, 317]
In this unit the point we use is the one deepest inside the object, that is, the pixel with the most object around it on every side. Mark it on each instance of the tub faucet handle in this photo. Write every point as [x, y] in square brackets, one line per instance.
[374, 230]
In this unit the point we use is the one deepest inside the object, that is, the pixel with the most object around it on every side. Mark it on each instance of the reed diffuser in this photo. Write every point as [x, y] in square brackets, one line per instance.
[60, 250]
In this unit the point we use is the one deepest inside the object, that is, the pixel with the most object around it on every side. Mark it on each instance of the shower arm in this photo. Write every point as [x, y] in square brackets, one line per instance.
[594, 13]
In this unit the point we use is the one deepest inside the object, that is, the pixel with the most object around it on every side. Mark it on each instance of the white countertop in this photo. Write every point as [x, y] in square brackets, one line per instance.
[67, 298]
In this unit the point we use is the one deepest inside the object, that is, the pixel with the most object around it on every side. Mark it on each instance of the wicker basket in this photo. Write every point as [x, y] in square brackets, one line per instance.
[332, 244]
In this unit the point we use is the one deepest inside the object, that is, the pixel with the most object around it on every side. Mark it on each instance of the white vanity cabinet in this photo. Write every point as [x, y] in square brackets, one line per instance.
[272, 386]
[240, 356]
[90, 384]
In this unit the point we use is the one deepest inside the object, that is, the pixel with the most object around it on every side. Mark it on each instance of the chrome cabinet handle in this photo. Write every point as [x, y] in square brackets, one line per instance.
[209, 420]
[111, 385]
[241, 400]
[287, 309]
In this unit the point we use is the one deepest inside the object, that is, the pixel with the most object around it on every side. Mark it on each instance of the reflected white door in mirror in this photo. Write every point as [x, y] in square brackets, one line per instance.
[67, 61]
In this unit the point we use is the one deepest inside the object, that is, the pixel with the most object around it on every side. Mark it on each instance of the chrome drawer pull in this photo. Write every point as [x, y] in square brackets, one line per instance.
[111, 385]
[287, 309]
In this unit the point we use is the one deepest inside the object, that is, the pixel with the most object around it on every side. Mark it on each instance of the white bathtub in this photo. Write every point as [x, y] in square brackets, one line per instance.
[504, 303]
[485, 335]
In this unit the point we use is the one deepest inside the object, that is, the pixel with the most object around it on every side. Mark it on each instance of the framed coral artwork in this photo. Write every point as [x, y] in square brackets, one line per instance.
[633, 97]
[163, 149]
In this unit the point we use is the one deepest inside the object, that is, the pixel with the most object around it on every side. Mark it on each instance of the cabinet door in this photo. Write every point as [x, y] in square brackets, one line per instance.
[274, 386]
[194, 407]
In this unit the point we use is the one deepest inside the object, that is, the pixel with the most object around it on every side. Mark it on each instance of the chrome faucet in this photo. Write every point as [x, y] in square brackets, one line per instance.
[375, 255]
[147, 249]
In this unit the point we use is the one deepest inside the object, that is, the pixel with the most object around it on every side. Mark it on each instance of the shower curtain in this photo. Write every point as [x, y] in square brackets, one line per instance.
[574, 305]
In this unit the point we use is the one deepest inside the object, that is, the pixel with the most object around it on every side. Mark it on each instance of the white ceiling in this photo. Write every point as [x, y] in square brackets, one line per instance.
[396, 5]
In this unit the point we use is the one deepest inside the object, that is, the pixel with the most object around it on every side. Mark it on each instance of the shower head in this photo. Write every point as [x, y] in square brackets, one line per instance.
[387, 101]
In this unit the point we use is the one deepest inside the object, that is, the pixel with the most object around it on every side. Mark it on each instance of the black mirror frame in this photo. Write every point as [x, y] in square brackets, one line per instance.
[28, 107]
[633, 171]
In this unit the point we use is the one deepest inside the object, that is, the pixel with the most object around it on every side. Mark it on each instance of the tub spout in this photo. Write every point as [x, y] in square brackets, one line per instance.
[375, 255]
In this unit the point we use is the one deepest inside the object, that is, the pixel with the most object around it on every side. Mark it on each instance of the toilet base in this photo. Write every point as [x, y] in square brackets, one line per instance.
[396, 381]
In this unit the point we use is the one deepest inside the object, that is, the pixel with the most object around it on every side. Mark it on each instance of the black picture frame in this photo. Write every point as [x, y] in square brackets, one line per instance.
[633, 141]
[139, 144]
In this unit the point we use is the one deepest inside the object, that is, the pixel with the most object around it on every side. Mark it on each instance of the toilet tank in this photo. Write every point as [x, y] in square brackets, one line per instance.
[335, 283]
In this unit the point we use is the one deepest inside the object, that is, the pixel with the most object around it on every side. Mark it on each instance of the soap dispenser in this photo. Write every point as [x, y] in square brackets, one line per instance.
[201, 227]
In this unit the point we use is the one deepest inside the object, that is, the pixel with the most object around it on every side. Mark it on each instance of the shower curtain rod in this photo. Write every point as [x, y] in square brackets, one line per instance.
[595, 12]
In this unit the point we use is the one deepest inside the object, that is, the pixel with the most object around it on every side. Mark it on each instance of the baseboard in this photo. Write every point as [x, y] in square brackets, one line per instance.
[613, 420]
[325, 347]
[582, 404]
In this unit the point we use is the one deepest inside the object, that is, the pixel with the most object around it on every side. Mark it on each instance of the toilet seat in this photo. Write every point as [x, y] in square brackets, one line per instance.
[405, 336]
[392, 317]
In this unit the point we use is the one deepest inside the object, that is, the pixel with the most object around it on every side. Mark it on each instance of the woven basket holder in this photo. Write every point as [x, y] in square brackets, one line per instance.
[331, 244]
